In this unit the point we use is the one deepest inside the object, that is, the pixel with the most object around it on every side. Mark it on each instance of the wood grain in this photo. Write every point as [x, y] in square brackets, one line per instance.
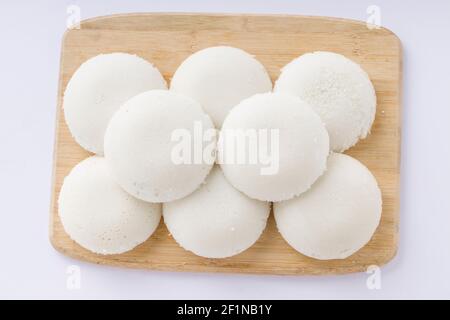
[166, 40]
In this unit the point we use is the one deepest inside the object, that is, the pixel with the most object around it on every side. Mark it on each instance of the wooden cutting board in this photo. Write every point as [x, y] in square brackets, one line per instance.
[166, 40]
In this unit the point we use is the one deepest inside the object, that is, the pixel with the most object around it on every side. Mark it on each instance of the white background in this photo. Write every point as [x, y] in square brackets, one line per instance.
[30, 38]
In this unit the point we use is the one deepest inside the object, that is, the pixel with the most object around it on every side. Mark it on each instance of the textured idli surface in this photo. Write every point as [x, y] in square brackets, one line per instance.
[338, 216]
[100, 216]
[219, 78]
[216, 221]
[338, 89]
[98, 88]
[295, 137]
[140, 145]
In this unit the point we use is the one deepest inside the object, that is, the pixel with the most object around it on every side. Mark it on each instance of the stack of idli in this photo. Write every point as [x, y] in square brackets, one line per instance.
[216, 201]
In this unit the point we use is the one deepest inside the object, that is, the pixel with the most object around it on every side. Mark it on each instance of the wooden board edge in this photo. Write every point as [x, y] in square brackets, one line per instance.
[53, 198]
[92, 23]
[301, 272]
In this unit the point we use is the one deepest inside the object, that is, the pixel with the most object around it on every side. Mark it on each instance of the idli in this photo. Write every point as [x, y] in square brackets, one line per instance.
[98, 215]
[338, 216]
[273, 147]
[219, 78]
[142, 143]
[216, 221]
[98, 88]
[338, 89]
